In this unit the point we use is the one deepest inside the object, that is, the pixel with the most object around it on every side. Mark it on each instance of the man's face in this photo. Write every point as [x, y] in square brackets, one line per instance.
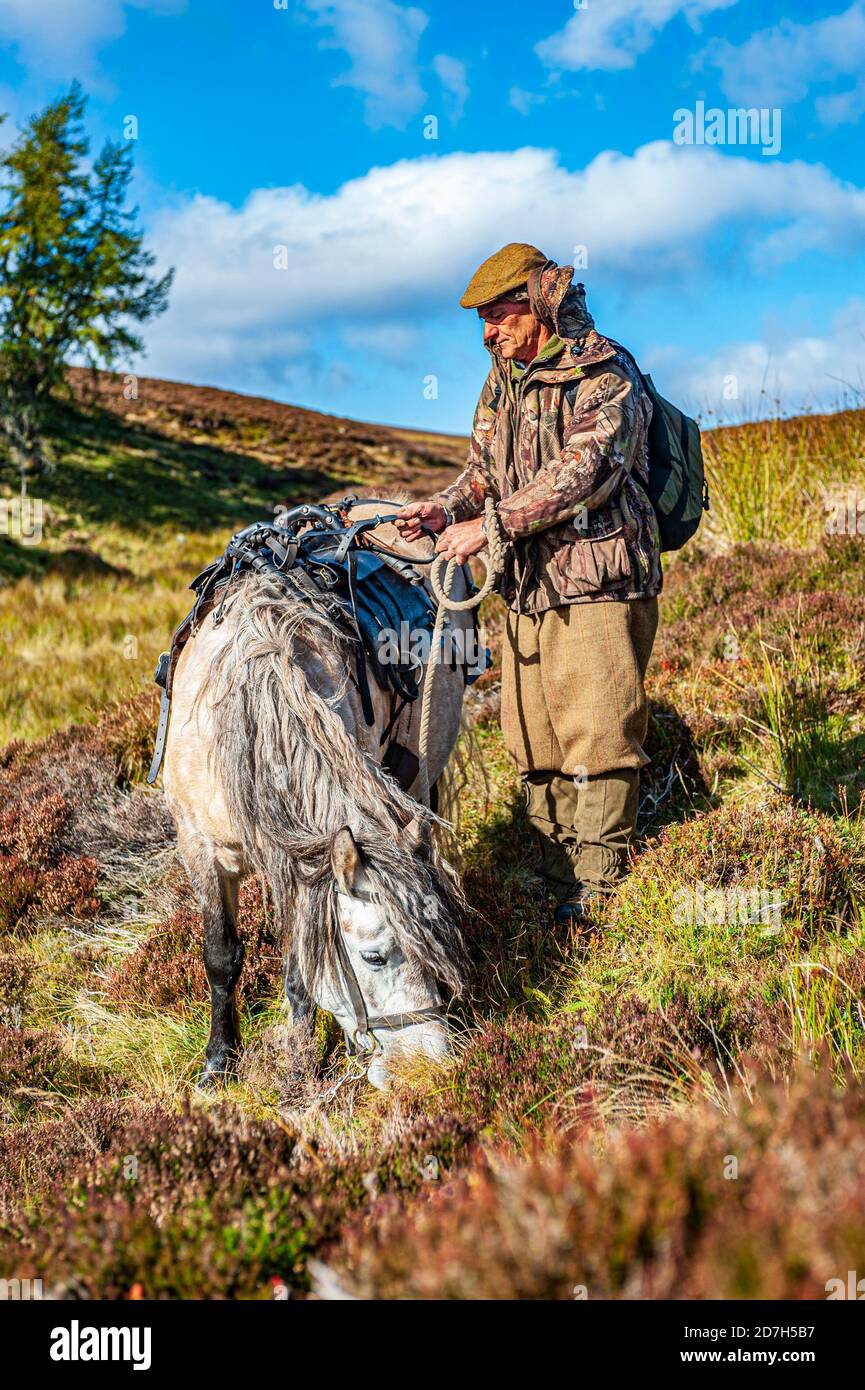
[512, 328]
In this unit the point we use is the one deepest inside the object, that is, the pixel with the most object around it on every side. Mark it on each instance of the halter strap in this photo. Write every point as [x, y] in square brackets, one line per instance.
[366, 1024]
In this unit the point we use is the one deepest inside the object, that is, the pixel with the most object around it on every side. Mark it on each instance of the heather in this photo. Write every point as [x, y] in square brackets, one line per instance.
[582, 1138]
[199, 1202]
[165, 969]
[761, 1198]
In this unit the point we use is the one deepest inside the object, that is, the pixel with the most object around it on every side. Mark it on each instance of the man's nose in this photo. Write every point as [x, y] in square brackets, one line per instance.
[490, 331]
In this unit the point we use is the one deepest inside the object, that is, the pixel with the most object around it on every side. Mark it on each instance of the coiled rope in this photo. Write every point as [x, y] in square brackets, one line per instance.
[494, 559]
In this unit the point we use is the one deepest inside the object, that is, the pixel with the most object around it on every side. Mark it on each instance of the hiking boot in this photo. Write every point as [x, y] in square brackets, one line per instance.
[584, 909]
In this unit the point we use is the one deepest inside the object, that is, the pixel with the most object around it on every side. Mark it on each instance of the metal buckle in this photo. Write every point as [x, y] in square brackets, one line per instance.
[364, 1049]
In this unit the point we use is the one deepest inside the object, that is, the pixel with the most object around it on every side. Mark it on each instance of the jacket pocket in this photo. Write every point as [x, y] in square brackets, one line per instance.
[586, 565]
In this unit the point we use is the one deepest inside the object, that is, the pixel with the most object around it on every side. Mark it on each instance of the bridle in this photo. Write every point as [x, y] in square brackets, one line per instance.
[366, 1024]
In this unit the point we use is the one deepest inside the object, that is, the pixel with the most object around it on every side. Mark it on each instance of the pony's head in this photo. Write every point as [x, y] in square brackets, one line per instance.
[392, 947]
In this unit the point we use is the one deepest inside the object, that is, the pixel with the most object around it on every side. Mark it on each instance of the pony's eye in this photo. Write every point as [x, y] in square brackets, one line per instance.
[373, 958]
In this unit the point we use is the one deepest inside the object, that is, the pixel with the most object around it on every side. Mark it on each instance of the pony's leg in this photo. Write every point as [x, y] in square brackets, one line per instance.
[223, 962]
[299, 1001]
[223, 952]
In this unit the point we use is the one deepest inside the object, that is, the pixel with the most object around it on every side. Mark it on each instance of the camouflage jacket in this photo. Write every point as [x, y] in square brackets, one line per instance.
[562, 447]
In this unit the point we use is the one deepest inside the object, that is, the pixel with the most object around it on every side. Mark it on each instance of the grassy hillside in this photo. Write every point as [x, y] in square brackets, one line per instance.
[143, 493]
[583, 1137]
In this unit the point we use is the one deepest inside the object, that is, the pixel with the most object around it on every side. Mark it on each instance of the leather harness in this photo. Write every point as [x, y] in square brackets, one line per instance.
[323, 559]
[366, 1024]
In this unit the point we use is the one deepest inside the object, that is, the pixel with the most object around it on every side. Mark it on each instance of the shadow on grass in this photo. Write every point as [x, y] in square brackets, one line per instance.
[672, 787]
[835, 773]
[517, 952]
[114, 472]
[33, 562]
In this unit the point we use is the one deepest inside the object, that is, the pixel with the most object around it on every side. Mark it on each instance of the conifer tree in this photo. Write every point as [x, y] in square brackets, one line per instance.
[74, 273]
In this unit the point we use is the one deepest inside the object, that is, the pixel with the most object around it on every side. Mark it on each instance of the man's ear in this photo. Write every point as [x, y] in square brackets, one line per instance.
[346, 861]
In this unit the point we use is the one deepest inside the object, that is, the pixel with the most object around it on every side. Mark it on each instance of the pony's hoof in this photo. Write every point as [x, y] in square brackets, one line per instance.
[215, 1075]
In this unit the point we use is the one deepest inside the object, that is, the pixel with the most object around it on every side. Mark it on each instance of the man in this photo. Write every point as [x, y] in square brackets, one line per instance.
[560, 443]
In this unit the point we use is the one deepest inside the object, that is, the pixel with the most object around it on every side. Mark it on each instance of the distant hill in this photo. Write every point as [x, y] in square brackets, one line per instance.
[281, 435]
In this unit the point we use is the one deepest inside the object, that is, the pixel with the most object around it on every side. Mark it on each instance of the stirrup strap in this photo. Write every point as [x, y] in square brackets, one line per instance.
[161, 731]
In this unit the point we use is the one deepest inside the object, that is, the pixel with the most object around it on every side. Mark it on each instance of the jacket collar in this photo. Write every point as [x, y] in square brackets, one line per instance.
[564, 363]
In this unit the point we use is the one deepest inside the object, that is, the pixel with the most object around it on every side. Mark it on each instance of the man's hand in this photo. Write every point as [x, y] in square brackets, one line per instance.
[410, 519]
[462, 540]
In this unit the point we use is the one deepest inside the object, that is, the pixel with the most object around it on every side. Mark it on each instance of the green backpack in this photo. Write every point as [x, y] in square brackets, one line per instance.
[677, 489]
[677, 485]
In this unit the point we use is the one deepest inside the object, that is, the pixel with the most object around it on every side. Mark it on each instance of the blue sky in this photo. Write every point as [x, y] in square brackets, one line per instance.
[322, 240]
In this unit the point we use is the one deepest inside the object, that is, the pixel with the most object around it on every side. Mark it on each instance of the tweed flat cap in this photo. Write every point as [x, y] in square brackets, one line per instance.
[507, 270]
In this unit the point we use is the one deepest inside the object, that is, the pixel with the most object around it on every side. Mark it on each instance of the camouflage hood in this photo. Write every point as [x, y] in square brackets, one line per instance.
[559, 304]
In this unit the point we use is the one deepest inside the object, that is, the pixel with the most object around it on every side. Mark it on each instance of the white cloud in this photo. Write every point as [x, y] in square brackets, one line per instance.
[784, 63]
[523, 101]
[381, 40]
[398, 245]
[611, 34]
[393, 341]
[451, 73]
[841, 108]
[801, 371]
[59, 38]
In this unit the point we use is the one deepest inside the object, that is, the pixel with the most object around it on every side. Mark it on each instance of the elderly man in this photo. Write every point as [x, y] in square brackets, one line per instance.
[560, 443]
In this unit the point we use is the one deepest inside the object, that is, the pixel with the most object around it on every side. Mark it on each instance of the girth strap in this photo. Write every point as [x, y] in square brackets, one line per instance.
[362, 673]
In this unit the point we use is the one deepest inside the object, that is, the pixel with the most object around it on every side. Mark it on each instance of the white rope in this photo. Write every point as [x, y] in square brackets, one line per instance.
[493, 558]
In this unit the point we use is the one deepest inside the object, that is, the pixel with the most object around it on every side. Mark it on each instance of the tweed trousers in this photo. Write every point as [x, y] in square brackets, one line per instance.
[574, 719]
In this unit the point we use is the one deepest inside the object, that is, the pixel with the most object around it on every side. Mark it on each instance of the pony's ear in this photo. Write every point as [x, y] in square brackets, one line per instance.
[418, 834]
[345, 858]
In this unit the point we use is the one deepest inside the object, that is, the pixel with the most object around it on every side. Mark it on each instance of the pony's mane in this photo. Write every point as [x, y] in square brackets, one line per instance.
[293, 777]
